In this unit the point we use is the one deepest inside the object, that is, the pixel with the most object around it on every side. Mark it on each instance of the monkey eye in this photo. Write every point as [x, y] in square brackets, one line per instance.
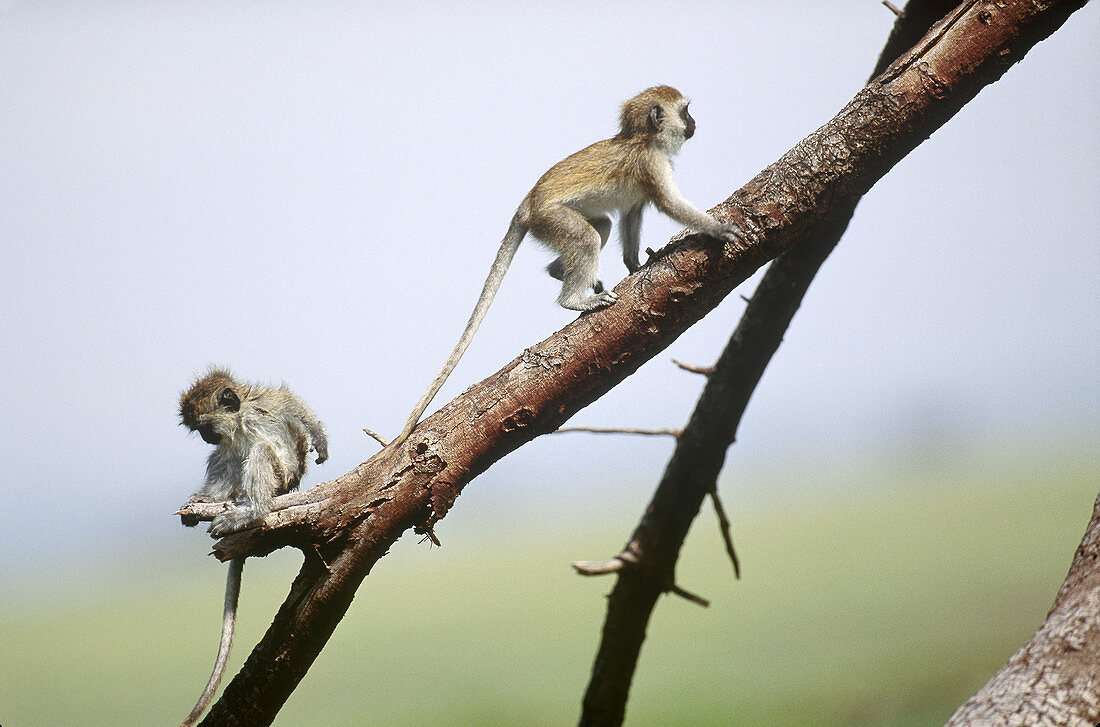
[228, 399]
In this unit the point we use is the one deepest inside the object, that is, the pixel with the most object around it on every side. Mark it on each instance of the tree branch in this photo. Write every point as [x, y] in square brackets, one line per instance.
[1054, 679]
[693, 469]
[704, 370]
[351, 522]
[692, 473]
[621, 430]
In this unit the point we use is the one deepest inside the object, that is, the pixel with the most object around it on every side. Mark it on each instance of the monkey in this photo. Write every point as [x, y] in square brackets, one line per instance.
[260, 450]
[567, 210]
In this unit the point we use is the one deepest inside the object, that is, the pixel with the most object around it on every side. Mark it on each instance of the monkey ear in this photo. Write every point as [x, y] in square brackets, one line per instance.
[655, 117]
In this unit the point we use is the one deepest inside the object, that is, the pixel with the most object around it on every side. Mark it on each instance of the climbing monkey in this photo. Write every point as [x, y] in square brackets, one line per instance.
[568, 209]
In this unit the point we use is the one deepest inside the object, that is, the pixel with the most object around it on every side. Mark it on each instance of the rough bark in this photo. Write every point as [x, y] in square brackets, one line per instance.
[646, 566]
[1064, 690]
[1054, 679]
[346, 525]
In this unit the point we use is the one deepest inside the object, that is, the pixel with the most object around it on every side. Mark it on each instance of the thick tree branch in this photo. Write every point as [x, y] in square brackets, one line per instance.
[692, 473]
[1054, 679]
[346, 525]
[700, 452]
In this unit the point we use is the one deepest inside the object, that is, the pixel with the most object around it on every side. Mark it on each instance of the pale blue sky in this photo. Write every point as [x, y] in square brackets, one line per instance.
[314, 192]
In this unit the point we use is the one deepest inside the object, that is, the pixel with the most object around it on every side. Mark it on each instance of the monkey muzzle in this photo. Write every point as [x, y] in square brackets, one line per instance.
[208, 434]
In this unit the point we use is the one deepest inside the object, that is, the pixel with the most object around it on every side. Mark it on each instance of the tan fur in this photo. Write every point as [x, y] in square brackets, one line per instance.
[568, 210]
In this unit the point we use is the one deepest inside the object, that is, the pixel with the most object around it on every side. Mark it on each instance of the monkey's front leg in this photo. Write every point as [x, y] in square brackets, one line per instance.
[557, 271]
[630, 236]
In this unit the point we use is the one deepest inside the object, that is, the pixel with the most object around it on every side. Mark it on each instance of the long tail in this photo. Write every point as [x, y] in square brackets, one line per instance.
[229, 620]
[516, 231]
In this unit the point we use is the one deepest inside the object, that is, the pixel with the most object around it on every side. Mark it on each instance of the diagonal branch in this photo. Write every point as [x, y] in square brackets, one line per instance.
[692, 471]
[345, 526]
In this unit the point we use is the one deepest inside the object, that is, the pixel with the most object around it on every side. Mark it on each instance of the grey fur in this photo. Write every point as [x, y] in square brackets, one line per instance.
[261, 436]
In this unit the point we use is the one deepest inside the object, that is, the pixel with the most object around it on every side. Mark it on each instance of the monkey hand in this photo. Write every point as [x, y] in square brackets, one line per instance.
[191, 521]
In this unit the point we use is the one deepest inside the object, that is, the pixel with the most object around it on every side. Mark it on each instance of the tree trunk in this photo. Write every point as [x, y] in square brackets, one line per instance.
[1054, 679]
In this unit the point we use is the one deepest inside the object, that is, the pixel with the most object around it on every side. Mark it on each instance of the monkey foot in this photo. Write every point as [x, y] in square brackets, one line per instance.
[592, 302]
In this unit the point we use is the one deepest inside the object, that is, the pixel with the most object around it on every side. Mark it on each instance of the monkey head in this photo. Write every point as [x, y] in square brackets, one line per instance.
[210, 406]
[658, 114]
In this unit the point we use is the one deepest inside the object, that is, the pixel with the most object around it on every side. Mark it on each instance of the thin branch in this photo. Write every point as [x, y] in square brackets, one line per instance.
[621, 430]
[693, 469]
[704, 370]
[688, 595]
[375, 435]
[626, 560]
[724, 527]
[893, 8]
[599, 567]
[317, 553]
[631, 554]
[355, 519]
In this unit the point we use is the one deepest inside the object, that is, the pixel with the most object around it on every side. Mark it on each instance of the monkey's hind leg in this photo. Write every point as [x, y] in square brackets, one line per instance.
[236, 518]
[602, 225]
[579, 240]
[557, 271]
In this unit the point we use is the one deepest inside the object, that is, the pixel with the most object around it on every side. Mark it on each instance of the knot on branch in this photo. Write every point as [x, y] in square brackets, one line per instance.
[631, 560]
[520, 419]
[441, 496]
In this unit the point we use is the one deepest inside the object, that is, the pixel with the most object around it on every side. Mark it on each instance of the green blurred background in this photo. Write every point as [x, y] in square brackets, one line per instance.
[312, 193]
[880, 595]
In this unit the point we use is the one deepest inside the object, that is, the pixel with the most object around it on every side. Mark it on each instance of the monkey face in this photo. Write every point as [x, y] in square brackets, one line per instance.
[689, 123]
[206, 431]
[209, 405]
[667, 120]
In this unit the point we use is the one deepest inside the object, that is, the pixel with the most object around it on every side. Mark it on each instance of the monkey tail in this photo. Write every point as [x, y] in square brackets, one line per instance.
[229, 620]
[516, 232]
